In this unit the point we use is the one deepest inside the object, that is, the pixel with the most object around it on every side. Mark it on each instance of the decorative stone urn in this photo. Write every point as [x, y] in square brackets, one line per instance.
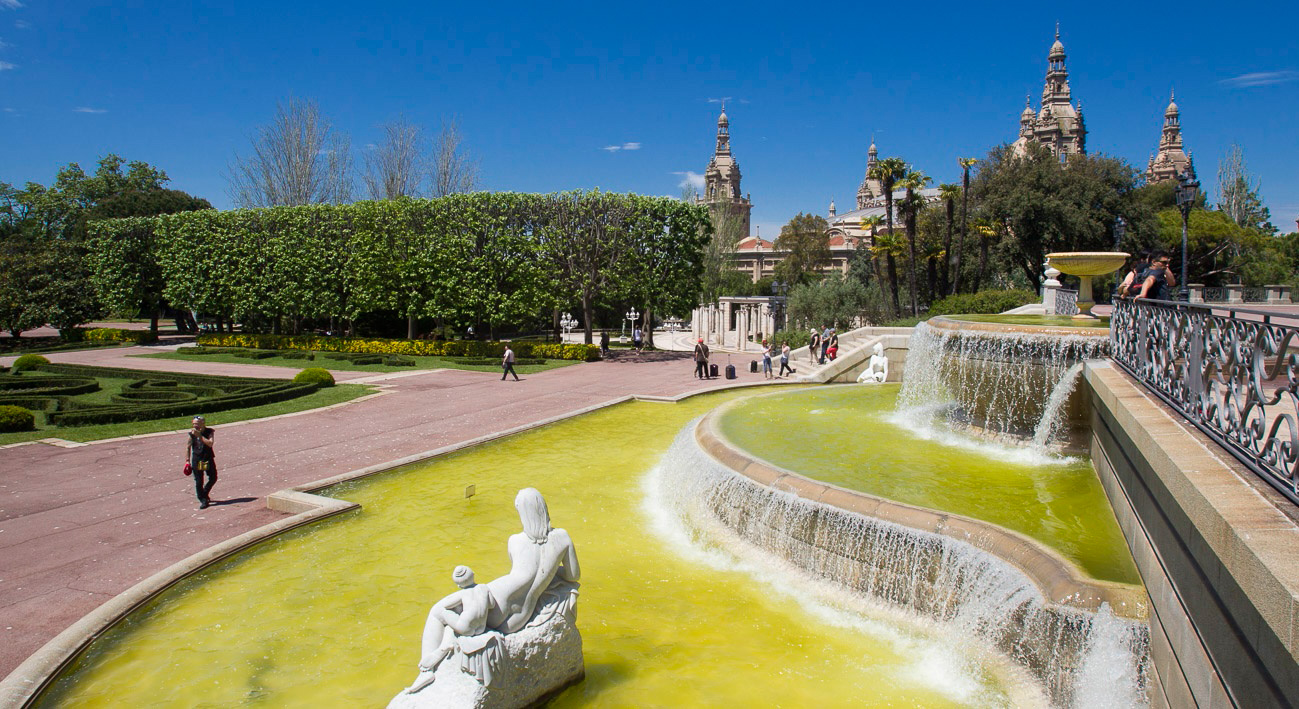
[1085, 265]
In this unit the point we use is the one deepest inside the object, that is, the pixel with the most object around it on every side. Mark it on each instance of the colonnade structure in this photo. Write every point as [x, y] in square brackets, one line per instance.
[738, 322]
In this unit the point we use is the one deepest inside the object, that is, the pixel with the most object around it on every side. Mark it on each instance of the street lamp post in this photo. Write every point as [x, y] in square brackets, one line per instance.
[567, 323]
[1120, 227]
[1188, 189]
[633, 316]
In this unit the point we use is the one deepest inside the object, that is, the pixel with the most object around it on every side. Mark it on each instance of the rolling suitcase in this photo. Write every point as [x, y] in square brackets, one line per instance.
[753, 366]
[730, 371]
[712, 370]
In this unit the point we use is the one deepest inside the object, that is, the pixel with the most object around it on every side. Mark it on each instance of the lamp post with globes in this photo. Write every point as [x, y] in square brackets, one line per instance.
[1188, 188]
[633, 316]
[567, 323]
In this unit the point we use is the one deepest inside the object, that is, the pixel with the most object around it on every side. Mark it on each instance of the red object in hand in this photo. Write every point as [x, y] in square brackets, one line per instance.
[187, 470]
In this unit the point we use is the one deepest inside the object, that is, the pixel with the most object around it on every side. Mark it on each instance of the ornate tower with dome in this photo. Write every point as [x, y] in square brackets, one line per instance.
[1171, 160]
[722, 180]
[1058, 124]
[870, 188]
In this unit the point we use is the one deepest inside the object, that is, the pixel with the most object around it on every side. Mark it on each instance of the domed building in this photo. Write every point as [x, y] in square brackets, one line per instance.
[1058, 124]
[1171, 160]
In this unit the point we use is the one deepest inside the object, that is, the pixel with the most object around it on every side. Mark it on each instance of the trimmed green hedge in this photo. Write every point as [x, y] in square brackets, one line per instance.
[426, 348]
[16, 418]
[117, 334]
[985, 302]
[314, 376]
[29, 361]
[495, 360]
[140, 400]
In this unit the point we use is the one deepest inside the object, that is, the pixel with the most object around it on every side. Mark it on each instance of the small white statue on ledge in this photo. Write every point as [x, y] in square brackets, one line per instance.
[877, 370]
[516, 637]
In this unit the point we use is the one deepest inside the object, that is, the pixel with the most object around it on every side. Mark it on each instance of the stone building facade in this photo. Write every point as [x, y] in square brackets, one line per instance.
[722, 181]
[1171, 160]
[1058, 124]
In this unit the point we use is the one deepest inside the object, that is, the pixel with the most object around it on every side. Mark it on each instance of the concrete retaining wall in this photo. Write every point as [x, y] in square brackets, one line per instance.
[1216, 548]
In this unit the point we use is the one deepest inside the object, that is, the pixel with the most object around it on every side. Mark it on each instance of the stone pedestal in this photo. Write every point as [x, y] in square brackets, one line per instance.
[1196, 291]
[1278, 294]
[1235, 294]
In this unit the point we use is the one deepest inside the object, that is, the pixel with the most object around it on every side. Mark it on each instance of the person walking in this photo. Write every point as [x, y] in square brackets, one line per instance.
[766, 361]
[813, 345]
[701, 360]
[507, 364]
[200, 460]
[784, 361]
[604, 343]
[637, 337]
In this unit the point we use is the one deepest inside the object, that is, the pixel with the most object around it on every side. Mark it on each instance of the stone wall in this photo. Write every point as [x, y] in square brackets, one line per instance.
[1215, 547]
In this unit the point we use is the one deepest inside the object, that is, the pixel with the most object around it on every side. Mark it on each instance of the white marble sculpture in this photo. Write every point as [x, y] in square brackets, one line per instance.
[515, 639]
[877, 370]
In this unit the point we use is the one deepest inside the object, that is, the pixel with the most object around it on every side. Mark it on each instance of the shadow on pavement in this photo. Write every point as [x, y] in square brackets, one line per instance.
[630, 356]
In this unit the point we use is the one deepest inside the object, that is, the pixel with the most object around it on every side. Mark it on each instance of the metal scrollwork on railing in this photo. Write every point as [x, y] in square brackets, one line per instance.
[1232, 372]
[1066, 302]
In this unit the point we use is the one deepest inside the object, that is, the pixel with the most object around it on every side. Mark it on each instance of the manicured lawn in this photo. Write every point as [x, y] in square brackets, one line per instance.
[321, 397]
[345, 366]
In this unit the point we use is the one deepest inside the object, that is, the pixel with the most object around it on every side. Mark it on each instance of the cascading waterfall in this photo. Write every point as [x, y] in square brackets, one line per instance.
[979, 596]
[1010, 384]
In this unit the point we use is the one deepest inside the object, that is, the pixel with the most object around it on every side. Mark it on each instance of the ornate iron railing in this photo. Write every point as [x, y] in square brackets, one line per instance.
[1232, 372]
[1066, 302]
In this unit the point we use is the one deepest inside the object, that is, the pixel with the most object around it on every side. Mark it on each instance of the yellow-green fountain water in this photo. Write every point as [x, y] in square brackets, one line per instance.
[851, 436]
[331, 615]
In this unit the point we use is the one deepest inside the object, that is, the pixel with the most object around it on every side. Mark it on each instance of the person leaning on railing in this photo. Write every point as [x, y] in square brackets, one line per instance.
[1157, 282]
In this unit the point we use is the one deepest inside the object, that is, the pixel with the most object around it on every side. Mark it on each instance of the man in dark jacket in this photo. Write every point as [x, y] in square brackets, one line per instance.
[200, 461]
[701, 360]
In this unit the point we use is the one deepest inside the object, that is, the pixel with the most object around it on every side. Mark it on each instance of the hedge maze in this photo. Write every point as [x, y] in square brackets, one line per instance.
[67, 393]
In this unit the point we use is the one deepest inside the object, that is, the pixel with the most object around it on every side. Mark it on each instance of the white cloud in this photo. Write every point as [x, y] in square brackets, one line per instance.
[723, 99]
[86, 109]
[4, 44]
[624, 146]
[690, 179]
[7, 65]
[1261, 78]
[21, 24]
[10, 4]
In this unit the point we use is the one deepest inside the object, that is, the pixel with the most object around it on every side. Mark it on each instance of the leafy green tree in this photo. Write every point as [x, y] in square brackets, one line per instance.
[833, 299]
[806, 246]
[1238, 193]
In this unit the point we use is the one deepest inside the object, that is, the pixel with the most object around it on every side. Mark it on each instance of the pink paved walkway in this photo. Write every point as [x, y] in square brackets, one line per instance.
[80, 525]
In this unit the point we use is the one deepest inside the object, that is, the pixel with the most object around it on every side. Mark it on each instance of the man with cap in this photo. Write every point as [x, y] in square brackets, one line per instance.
[701, 360]
[200, 460]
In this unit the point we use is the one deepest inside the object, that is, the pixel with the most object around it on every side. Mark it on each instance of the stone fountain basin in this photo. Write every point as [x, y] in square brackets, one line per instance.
[1088, 263]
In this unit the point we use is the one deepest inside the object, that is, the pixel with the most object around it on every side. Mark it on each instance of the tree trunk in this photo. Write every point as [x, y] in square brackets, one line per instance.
[649, 327]
[965, 226]
[153, 322]
[554, 319]
[933, 278]
[946, 280]
[983, 261]
[586, 315]
[911, 251]
[893, 285]
[410, 326]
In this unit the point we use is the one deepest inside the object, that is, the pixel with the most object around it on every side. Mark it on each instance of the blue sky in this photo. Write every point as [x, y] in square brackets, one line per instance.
[541, 89]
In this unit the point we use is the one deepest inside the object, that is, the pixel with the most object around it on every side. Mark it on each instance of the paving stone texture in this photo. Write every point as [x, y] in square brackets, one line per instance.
[80, 525]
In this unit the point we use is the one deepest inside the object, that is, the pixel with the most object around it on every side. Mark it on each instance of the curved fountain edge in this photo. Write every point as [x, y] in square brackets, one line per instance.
[1059, 580]
[35, 674]
[943, 322]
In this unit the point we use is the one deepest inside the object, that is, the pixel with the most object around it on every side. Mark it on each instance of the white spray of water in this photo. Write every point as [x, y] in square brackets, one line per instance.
[717, 517]
[1002, 383]
[1049, 427]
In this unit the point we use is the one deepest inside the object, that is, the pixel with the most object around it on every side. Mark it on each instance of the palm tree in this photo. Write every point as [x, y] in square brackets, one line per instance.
[873, 223]
[949, 192]
[887, 171]
[891, 245]
[966, 164]
[911, 204]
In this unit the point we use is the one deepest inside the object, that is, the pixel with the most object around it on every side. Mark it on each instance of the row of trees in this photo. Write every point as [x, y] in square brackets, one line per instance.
[44, 273]
[301, 158]
[482, 258]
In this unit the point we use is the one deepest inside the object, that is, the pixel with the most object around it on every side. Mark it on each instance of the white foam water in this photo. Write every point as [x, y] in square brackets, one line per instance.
[720, 518]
